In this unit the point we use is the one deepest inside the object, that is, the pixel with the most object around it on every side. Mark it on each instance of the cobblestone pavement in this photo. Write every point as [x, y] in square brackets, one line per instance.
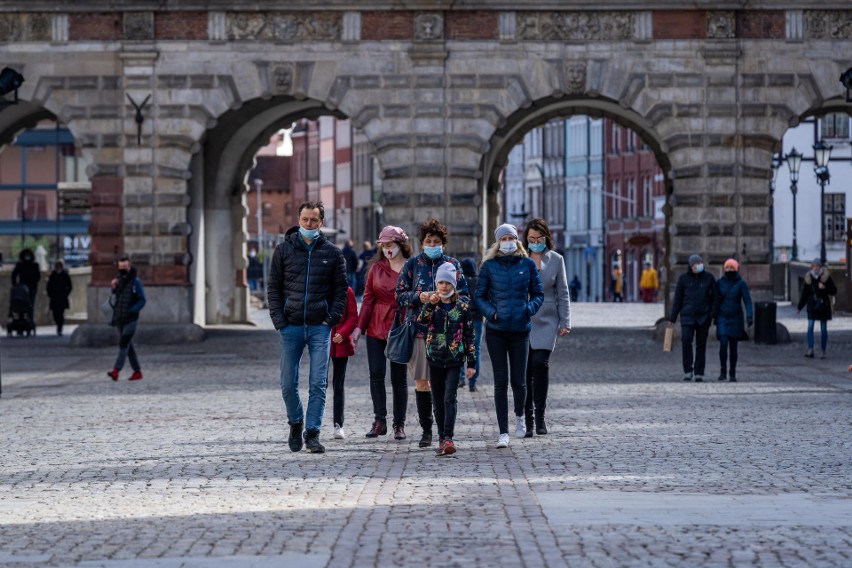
[190, 466]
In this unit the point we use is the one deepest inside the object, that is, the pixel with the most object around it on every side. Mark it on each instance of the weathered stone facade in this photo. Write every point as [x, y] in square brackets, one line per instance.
[442, 94]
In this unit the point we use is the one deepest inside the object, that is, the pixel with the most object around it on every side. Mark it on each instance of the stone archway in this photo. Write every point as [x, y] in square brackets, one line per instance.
[217, 211]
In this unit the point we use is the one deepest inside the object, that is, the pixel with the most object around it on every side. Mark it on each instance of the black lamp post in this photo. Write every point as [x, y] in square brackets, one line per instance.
[794, 162]
[822, 154]
[776, 163]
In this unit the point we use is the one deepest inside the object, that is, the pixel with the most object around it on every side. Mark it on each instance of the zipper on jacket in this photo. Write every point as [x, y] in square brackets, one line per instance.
[307, 286]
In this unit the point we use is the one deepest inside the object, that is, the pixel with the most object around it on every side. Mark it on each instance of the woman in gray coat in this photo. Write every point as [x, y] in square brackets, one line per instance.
[552, 320]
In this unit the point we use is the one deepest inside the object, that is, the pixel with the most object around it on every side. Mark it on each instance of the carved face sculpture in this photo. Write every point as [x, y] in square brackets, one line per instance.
[575, 77]
[283, 79]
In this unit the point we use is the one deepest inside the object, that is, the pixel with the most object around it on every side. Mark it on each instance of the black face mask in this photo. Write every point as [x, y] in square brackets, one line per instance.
[731, 275]
[123, 272]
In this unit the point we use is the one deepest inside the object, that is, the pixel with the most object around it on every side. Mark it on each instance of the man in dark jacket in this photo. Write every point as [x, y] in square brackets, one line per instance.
[351, 258]
[307, 297]
[694, 301]
[59, 287]
[128, 299]
[26, 272]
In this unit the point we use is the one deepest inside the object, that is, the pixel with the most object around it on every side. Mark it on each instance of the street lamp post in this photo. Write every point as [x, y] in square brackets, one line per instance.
[794, 162]
[822, 154]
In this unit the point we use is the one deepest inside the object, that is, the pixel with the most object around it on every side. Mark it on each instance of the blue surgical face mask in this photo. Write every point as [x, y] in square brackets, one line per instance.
[309, 233]
[698, 268]
[434, 252]
[536, 247]
[508, 247]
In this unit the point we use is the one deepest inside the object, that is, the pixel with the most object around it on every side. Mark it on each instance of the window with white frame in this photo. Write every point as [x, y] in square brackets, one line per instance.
[835, 126]
[834, 208]
[631, 198]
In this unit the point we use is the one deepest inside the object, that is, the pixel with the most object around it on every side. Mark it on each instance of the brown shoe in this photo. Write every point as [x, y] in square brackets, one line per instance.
[398, 432]
[380, 428]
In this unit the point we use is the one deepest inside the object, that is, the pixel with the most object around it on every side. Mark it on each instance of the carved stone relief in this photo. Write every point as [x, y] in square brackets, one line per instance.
[828, 24]
[575, 77]
[25, 27]
[721, 25]
[282, 78]
[428, 26]
[278, 26]
[568, 26]
[139, 26]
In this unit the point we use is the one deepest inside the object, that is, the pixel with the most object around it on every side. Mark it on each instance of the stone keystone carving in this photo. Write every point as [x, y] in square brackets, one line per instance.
[139, 26]
[721, 25]
[568, 26]
[428, 26]
[575, 77]
[282, 78]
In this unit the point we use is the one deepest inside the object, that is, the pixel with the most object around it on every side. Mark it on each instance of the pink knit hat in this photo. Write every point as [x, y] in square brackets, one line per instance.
[392, 234]
[732, 263]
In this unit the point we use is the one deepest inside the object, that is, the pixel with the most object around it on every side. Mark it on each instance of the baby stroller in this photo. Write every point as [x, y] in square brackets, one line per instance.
[19, 312]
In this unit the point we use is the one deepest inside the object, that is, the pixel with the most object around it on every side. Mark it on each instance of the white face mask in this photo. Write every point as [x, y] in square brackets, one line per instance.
[508, 247]
[448, 295]
[391, 252]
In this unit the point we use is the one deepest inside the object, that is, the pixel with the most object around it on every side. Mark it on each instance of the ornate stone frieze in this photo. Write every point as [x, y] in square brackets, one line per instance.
[139, 26]
[428, 26]
[280, 26]
[19, 26]
[828, 24]
[721, 25]
[575, 26]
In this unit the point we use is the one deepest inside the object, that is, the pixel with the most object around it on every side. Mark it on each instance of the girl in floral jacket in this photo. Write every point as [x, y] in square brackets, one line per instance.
[449, 344]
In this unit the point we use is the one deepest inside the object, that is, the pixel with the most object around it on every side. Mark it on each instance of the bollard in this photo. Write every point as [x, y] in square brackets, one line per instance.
[764, 322]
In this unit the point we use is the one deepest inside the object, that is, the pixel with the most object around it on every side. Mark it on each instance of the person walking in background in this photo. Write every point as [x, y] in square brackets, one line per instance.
[694, 302]
[551, 321]
[449, 344]
[363, 260]
[574, 288]
[508, 294]
[378, 311]
[414, 288]
[307, 293]
[342, 348]
[26, 272]
[254, 272]
[58, 289]
[732, 294]
[617, 283]
[648, 283]
[816, 295]
[351, 258]
[128, 299]
[469, 269]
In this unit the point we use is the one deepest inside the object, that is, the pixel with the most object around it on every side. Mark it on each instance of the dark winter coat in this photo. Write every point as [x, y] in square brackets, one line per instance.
[351, 258]
[510, 288]
[26, 272]
[732, 294]
[695, 298]
[58, 289]
[128, 298]
[818, 300]
[307, 284]
[450, 334]
[418, 275]
[345, 328]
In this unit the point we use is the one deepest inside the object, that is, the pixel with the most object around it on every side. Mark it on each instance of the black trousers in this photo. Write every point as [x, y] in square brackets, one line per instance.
[339, 375]
[59, 319]
[378, 364]
[445, 386]
[538, 379]
[726, 342]
[503, 346]
[698, 332]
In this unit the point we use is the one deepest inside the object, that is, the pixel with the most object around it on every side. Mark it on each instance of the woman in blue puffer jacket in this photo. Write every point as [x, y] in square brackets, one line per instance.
[732, 294]
[508, 294]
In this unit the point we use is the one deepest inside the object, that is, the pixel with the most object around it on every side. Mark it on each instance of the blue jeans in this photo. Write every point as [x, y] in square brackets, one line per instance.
[823, 334]
[477, 341]
[293, 340]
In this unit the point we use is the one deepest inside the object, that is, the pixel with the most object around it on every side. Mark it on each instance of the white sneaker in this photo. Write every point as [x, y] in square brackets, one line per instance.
[503, 441]
[339, 434]
[521, 427]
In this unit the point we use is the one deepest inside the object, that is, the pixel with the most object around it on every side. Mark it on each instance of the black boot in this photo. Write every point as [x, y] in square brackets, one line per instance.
[295, 439]
[540, 428]
[424, 413]
[529, 421]
[733, 375]
[312, 442]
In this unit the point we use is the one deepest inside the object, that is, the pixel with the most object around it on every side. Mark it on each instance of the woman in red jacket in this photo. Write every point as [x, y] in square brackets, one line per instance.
[342, 348]
[376, 319]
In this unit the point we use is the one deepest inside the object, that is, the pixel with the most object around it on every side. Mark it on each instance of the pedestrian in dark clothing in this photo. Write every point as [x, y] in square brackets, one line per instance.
[574, 288]
[732, 294]
[816, 294]
[307, 297]
[26, 272]
[351, 258]
[694, 302]
[58, 289]
[363, 260]
[449, 345]
[469, 270]
[128, 299]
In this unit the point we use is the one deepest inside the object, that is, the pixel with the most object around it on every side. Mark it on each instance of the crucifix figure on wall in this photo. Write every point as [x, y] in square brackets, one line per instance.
[139, 118]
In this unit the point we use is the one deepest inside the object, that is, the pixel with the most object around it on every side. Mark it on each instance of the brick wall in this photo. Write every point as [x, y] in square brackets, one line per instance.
[181, 25]
[761, 25]
[95, 26]
[680, 24]
[387, 25]
[105, 227]
[472, 25]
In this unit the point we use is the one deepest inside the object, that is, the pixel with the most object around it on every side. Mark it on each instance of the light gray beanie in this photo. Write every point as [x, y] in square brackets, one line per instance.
[446, 273]
[505, 229]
